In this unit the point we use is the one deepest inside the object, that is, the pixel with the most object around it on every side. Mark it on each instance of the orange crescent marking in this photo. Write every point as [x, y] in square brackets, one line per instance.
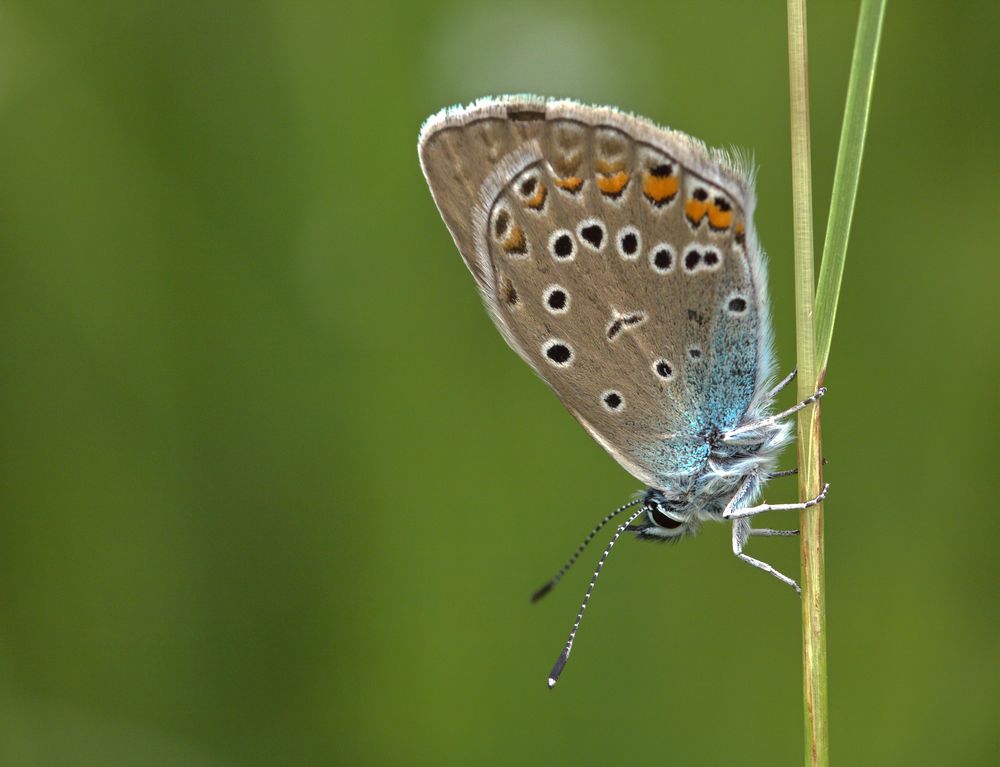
[570, 184]
[537, 201]
[659, 188]
[613, 185]
[719, 219]
[695, 210]
[515, 242]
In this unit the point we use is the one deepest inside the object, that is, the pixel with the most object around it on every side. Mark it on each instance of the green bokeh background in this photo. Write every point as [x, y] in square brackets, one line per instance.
[274, 491]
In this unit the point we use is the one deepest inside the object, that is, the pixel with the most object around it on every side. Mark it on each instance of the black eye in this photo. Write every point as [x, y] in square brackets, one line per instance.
[660, 519]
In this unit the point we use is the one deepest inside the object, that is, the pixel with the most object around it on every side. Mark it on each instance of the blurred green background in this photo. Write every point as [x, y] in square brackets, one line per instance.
[274, 490]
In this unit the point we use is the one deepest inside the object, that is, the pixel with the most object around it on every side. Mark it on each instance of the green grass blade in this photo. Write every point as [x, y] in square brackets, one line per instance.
[845, 179]
[814, 676]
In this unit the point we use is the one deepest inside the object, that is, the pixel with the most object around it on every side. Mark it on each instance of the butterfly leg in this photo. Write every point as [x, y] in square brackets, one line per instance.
[787, 472]
[784, 382]
[742, 532]
[773, 419]
[734, 513]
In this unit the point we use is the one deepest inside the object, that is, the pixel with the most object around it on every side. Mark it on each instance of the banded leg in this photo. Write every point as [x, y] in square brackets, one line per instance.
[773, 419]
[735, 513]
[742, 532]
[784, 382]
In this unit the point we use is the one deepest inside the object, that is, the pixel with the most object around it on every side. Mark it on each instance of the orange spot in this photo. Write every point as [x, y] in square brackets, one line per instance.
[613, 184]
[515, 242]
[537, 201]
[719, 219]
[659, 189]
[571, 184]
[695, 210]
[608, 168]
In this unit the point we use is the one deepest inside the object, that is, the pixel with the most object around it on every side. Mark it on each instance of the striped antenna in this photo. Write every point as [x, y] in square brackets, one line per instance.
[579, 550]
[564, 655]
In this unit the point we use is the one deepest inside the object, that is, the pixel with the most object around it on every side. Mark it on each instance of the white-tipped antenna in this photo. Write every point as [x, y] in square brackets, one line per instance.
[579, 550]
[564, 655]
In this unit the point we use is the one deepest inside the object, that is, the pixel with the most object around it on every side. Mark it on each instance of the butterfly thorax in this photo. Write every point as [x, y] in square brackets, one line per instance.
[678, 508]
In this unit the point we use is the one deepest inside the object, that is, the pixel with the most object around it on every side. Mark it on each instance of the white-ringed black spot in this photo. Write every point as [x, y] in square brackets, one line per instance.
[628, 242]
[661, 258]
[613, 401]
[556, 299]
[737, 305]
[694, 353]
[592, 233]
[663, 170]
[691, 259]
[723, 204]
[561, 245]
[711, 258]
[528, 186]
[558, 353]
[700, 194]
[663, 369]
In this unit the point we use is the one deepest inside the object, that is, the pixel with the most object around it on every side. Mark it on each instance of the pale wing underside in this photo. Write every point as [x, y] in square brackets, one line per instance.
[619, 260]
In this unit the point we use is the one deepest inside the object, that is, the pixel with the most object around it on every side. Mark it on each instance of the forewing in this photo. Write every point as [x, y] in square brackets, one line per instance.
[618, 259]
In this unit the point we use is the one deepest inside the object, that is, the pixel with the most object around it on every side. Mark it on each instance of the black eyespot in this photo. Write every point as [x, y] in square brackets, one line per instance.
[722, 204]
[662, 259]
[556, 299]
[630, 244]
[711, 258]
[663, 369]
[700, 194]
[691, 259]
[737, 305]
[662, 171]
[529, 186]
[501, 223]
[562, 246]
[612, 400]
[593, 233]
[660, 519]
[695, 352]
[559, 353]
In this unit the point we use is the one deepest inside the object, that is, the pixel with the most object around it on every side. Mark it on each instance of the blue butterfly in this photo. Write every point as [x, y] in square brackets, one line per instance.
[620, 261]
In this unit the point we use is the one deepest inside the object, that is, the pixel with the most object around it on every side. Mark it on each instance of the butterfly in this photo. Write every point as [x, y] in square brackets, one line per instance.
[620, 261]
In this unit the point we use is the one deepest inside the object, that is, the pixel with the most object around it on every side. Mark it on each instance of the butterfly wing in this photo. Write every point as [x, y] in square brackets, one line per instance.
[619, 260]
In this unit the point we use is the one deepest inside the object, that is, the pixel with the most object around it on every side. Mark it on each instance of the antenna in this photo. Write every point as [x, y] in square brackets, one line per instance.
[579, 550]
[564, 655]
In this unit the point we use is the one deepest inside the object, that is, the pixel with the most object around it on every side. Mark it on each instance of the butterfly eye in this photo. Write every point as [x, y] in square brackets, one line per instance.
[660, 519]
